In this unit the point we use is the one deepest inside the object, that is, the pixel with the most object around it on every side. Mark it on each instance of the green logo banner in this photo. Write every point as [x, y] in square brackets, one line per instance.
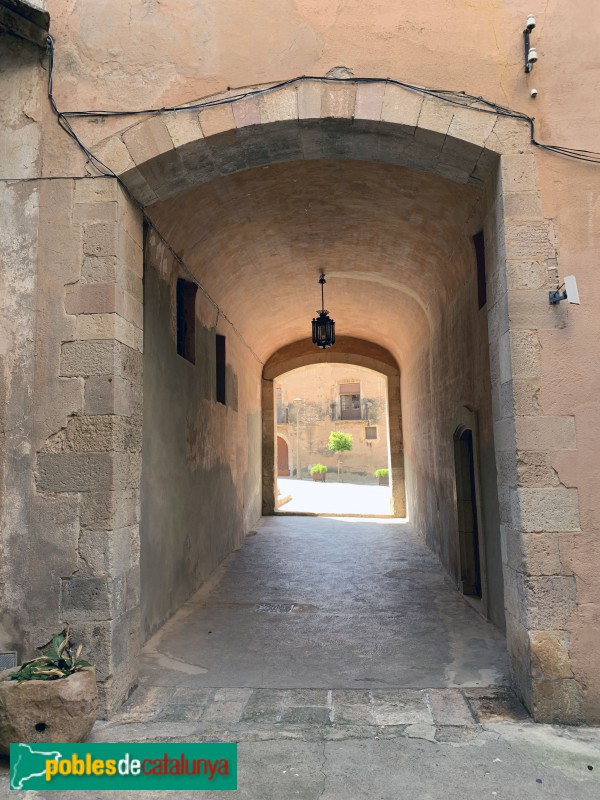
[123, 766]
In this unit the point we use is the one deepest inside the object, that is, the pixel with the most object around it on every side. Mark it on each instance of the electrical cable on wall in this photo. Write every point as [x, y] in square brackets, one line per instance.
[107, 172]
[458, 98]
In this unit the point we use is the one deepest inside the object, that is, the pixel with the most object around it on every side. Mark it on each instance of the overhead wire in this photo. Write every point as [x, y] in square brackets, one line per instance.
[458, 98]
[453, 97]
[106, 171]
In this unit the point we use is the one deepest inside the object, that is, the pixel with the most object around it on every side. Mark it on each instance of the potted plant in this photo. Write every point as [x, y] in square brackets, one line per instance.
[53, 698]
[318, 472]
[383, 475]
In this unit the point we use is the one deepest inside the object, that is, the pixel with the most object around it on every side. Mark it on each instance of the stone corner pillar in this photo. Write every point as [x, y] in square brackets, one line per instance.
[395, 443]
[88, 395]
[537, 511]
[269, 451]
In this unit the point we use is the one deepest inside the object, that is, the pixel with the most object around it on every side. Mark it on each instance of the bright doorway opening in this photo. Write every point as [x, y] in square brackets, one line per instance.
[333, 449]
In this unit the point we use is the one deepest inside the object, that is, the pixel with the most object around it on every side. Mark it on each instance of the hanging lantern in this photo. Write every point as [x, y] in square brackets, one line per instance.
[323, 327]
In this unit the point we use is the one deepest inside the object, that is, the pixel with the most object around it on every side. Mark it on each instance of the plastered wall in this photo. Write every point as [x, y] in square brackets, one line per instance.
[201, 466]
[19, 219]
[445, 374]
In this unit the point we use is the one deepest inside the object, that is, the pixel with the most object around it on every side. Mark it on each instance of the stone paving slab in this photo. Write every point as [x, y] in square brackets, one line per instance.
[449, 707]
[327, 745]
[494, 705]
[318, 713]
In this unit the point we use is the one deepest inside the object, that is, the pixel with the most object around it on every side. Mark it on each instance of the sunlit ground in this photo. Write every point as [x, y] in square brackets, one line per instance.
[333, 498]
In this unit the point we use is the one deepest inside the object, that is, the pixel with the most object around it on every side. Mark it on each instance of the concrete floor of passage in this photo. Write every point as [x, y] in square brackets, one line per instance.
[327, 603]
[373, 610]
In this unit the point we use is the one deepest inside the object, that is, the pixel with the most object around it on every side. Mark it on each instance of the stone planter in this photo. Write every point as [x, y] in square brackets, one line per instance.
[384, 481]
[319, 476]
[47, 711]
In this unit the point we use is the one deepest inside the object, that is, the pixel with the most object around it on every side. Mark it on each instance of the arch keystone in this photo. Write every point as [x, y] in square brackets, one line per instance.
[338, 100]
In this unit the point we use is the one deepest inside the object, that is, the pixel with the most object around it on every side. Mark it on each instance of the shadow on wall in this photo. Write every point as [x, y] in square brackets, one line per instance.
[195, 500]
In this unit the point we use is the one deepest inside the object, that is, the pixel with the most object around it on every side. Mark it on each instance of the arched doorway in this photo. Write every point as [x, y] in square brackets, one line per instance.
[283, 457]
[348, 350]
[345, 451]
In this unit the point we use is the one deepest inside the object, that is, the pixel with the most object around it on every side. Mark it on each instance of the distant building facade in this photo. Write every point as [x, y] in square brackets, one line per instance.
[311, 402]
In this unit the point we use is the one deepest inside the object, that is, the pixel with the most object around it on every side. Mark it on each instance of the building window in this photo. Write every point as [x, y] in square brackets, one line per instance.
[221, 368]
[186, 320]
[349, 400]
[479, 244]
[371, 432]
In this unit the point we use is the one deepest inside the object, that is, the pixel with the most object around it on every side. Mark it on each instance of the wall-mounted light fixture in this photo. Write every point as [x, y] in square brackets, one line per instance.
[530, 52]
[570, 293]
[323, 327]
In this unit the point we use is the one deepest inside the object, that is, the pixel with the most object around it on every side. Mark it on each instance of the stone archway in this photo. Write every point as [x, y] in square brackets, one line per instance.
[97, 352]
[348, 350]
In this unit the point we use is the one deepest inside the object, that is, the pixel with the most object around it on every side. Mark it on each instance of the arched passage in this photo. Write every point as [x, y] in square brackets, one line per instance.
[385, 190]
[348, 350]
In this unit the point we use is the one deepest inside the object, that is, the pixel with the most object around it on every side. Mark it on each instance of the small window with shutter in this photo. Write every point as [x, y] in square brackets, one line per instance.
[349, 400]
[186, 320]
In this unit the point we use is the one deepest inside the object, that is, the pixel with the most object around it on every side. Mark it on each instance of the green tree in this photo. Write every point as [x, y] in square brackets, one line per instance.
[339, 442]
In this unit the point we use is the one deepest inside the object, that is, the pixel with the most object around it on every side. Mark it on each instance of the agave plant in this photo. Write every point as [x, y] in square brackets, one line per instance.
[57, 661]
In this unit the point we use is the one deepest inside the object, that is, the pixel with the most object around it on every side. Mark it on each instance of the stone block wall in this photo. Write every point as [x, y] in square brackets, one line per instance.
[537, 508]
[447, 375]
[87, 426]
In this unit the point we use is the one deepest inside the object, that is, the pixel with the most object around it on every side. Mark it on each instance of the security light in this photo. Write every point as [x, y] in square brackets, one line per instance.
[570, 293]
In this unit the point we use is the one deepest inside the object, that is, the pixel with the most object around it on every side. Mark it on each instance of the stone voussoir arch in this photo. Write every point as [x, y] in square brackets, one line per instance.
[347, 350]
[168, 152]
